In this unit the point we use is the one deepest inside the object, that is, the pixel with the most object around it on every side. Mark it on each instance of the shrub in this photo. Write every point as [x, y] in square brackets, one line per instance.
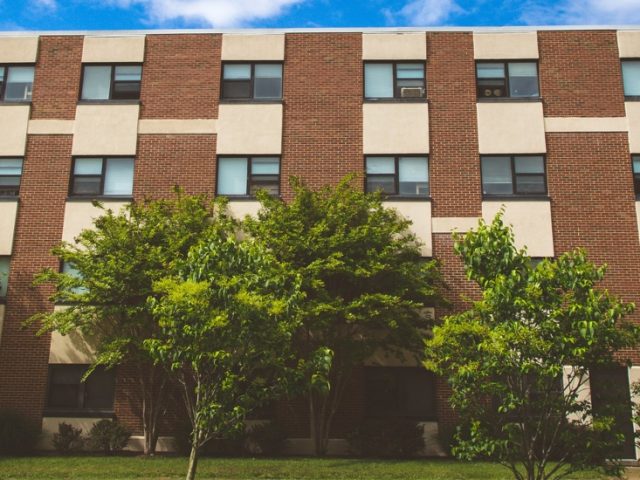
[68, 439]
[18, 435]
[108, 436]
[269, 437]
[391, 437]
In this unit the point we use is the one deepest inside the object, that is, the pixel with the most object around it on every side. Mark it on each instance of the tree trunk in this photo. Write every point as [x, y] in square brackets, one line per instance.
[193, 463]
[153, 403]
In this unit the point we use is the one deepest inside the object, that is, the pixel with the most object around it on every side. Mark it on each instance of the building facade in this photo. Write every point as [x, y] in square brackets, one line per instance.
[452, 124]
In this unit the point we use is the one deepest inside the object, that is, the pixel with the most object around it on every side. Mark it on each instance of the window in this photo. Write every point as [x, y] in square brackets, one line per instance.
[631, 78]
[10, 173]
[102, 176]
[394, 80]
[111, 82]
[244, 176]
[71, 270]
[398, 175]
[507, 79]
[636, 173]
[513, 175]
[16, 83]
[4, 276]
[252, 81]
[67, 391]
[406, 392]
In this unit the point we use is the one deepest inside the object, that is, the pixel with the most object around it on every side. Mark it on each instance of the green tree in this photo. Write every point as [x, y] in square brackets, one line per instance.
[365, 286]
[226, 323]
[505, 357]
[114, 265]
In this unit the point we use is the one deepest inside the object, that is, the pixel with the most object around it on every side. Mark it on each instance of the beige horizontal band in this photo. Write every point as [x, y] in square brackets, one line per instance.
[585, 124]
[451, 224]
[50, 127]
[177, 127]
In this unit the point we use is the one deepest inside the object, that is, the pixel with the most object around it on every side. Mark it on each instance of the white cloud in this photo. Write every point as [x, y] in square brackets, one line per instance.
[423, 12]
[582, 12]
[46, 5]
[215, 13]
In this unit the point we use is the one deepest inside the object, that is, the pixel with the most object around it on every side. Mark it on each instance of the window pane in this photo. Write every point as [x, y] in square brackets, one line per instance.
[381, 165]
[86, 186]
[99, 389]
[529, 165]
[232, 176]
[118, 177]
[126, 91]
[236, 89]
[413, 176]
[410, 70]
[64, 386]
[270, 183]
[237, 72]
[268, 81]
[378, 80]
[72, 271]
[523, 80]
[10, 166]
[490, 70]
[4, 275]
[496, 175]
[631, 78]
[9, 186]
[265, 166]
[96, 83]
[128, 73]
[530, 184]
[491, 88]
[384, 183]
[636, 164]
[19, 83]
[88, 166]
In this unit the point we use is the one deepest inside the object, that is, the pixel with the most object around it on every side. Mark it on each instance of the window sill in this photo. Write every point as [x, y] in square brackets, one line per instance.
[509, 99]
[109, 102]
[405, 198]
[244, 101]
[515, 198]
[99, 198]
[243, 198]
[11, 103]
[79, 413]
[395, 100]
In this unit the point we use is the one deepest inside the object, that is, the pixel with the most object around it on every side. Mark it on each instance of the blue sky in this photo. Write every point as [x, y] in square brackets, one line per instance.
[150, 14]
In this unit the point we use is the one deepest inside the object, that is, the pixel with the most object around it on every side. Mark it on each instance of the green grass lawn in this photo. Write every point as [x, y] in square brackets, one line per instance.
[159, 468]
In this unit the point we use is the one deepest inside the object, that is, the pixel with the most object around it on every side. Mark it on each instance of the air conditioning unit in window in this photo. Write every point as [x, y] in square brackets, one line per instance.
[412, 92]
[422, 190]
[496, 92]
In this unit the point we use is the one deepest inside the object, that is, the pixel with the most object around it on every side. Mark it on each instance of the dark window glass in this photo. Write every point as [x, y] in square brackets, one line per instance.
[258, 81]
[102, 176]
[507, 79]
[241, 176]
[513, 175]
[394, 80]
[404, 392]
[4, 276]
[10, 174]
[111, 82]
[398, 175]
[67, 391]
[636, 173]
[16, 83]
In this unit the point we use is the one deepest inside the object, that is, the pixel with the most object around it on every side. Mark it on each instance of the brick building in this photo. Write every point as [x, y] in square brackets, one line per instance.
[451, 123]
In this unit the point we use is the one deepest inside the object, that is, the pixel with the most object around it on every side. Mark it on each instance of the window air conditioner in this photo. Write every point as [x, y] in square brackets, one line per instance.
[411, 92]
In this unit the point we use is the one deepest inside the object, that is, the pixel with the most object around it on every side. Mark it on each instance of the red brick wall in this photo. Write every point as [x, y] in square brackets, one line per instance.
[453, 131]
[164, 161]
[580, 74]
[181, 76]
[23, 356]
[323, 88]
[57, 78]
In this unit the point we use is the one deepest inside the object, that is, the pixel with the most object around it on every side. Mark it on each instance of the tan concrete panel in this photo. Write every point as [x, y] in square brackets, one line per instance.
[72, 348]
[505, 46]
[511, 128]
[120, 49]
[420, 215]
[253, 47]
[18, 49]
[14, 120]
[80, 215]
[395, 128]
[50, 426]
[453, 224]
[394, 46]
[50, 127]
[8, 214]
[106, 130]
[250, 129]
[633, 125]
[240, 209]
[634, 377]
[177, 127]
[531, 221]
[165, 444]
[585, 124]
[583, 392]
[629, 43]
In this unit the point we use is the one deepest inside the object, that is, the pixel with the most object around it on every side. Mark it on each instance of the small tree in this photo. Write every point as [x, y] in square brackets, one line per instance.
[226, 323]
[364, 281]
[114, 265]
[505, 357]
